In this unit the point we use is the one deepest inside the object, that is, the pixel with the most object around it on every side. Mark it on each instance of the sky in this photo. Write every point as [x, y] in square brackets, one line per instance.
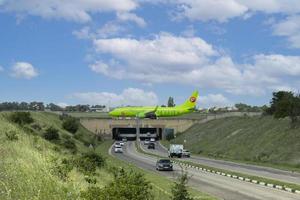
[140, 52]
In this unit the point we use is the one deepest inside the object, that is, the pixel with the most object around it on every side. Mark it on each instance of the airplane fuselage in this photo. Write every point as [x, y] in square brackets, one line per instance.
[160, 111]
[154, 112]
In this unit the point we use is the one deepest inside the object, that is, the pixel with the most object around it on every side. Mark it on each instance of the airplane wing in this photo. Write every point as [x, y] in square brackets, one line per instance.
[148, 114]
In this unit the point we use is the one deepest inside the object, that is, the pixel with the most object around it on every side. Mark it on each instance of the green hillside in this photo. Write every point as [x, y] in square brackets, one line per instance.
[32, 167]
[252, 139]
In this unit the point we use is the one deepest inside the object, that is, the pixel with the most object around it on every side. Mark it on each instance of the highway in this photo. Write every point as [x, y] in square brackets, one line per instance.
[219, 186]
[254, 170]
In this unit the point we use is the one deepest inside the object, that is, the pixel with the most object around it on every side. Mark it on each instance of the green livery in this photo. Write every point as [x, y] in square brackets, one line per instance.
[154, 112]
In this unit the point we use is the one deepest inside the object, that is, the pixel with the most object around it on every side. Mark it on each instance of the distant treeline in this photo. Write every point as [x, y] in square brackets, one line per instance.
[40, 106]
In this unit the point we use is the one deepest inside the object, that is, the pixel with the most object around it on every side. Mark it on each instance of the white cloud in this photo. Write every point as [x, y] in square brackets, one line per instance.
[290, 28]
[83, 33]
[109, 29]
[206, 10]
[126, 16]
[192, 61]
[1, 69]
[75, 10]
[129, 96]
[213, 100]
[62, 105]
[23, 70]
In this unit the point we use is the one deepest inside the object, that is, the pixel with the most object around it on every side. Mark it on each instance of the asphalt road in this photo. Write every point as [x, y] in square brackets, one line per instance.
[216, 185]
[267, 172]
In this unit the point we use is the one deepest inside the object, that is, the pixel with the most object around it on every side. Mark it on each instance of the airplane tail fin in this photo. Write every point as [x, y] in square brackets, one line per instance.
[191, 101]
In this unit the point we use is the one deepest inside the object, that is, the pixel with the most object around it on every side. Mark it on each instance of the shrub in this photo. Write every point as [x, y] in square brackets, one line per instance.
[126, 185]
[92, 193]
[179, 190]
[36, 126]
[90, 180]
[51, 134]
[21, 118]
[70, 144]
[62, 168]
[88, 162]
[170, 136]
[70, 124]
[11, 135]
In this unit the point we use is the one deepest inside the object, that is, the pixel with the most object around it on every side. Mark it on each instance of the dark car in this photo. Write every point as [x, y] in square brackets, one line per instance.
[164, 164]
[151, 146]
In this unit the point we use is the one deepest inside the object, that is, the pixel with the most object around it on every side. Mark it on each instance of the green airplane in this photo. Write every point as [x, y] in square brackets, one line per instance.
[154, 112]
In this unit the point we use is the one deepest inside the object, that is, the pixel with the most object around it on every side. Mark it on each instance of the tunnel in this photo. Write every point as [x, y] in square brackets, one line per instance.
[119, 133]
[150, 133]
[130, 133]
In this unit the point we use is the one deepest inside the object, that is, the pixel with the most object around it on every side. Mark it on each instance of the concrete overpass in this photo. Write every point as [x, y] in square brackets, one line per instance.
[109, 127]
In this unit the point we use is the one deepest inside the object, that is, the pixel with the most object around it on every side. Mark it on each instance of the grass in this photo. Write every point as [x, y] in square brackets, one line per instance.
[103, 115]
[28, 163]
[161, 185]
[257, 140]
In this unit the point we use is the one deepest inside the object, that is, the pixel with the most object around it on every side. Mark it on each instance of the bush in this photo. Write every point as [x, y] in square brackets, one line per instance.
[62, 168]
[88, 162]
[21, 118]
[126, 185]
[11, 135]
[36, 126]
[90, 180]
[170, 136]
[70, 124]
[51, 134]
[179, 190]
[70, 144]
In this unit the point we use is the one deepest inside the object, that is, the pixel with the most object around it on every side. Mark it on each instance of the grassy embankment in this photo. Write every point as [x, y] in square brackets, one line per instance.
[29, 164]
[257, 140]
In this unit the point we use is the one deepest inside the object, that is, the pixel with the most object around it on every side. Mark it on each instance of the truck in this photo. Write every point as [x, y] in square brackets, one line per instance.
[175, 150]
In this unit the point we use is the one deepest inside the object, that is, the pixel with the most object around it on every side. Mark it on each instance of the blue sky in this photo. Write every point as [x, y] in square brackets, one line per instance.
[139, 52]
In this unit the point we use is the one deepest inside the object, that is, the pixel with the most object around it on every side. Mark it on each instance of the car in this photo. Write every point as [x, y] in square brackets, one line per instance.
[186, 153]
[146, 141]
[151, 145]
[118, 150]
[117, 144]
[122, 143]
[152, 139]
[124, 140]
[164, 164]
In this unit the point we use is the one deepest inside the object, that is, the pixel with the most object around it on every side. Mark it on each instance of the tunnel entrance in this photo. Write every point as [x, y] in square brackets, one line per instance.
[131, 133]
[120, 133]
[147, 133]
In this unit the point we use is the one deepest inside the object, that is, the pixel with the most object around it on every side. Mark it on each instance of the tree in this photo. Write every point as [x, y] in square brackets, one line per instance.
[171, 102]
[281, 104]
[54, 107]
[285, 104]
[179, 190]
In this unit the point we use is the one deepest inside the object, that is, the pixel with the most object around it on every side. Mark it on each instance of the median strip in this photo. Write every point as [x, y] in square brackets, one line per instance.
[288, 187]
